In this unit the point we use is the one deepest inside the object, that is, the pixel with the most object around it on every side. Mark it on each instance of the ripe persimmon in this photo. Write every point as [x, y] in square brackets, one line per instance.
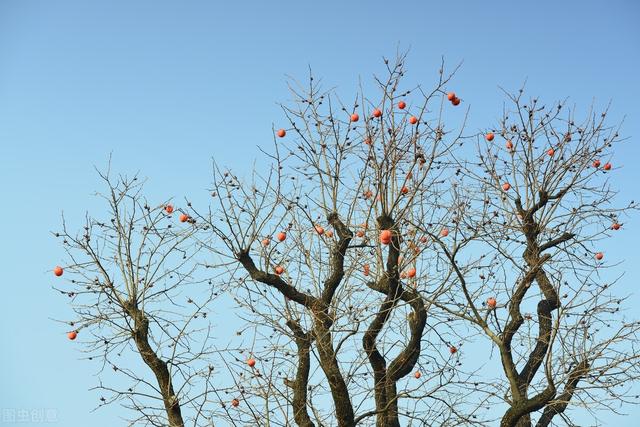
[281, 133]
[355, 117]
[489, 137]
[377, 113]
[451, 96]
[402, 105]
[72, 335]
[413, 120]
[385, 237]
[279, 270]
[168, 209]
[491, 302]
[281, 236]
[58, 271]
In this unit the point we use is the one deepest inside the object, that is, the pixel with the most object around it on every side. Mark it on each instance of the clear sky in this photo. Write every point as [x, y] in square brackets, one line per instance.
[167, 85]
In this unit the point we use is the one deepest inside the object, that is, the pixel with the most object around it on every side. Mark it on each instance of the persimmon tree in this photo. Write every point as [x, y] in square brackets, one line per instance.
[138, 291]
[367, 262]
[333, 267]
[538, 203]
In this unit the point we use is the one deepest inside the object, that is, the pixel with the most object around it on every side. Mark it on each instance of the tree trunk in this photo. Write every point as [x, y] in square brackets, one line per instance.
[157, 366]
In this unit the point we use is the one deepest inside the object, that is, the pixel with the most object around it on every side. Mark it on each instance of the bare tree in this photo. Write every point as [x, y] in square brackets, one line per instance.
[136, 287]
[537, 203]
[333, 267]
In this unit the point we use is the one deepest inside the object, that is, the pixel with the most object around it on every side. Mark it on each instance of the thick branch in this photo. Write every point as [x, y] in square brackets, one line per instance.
[408, 357]
[562, 401]
[555, 242]
[274, 281]
[514, 305]
[331, 368]
[406, 360]
[337, 258]
[524, 407]
[299, 386]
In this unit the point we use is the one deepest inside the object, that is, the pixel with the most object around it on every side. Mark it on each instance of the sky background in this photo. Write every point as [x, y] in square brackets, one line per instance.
[167, 86]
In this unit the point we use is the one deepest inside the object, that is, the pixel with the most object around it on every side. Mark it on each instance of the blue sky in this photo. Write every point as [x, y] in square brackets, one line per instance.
[167, 86]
